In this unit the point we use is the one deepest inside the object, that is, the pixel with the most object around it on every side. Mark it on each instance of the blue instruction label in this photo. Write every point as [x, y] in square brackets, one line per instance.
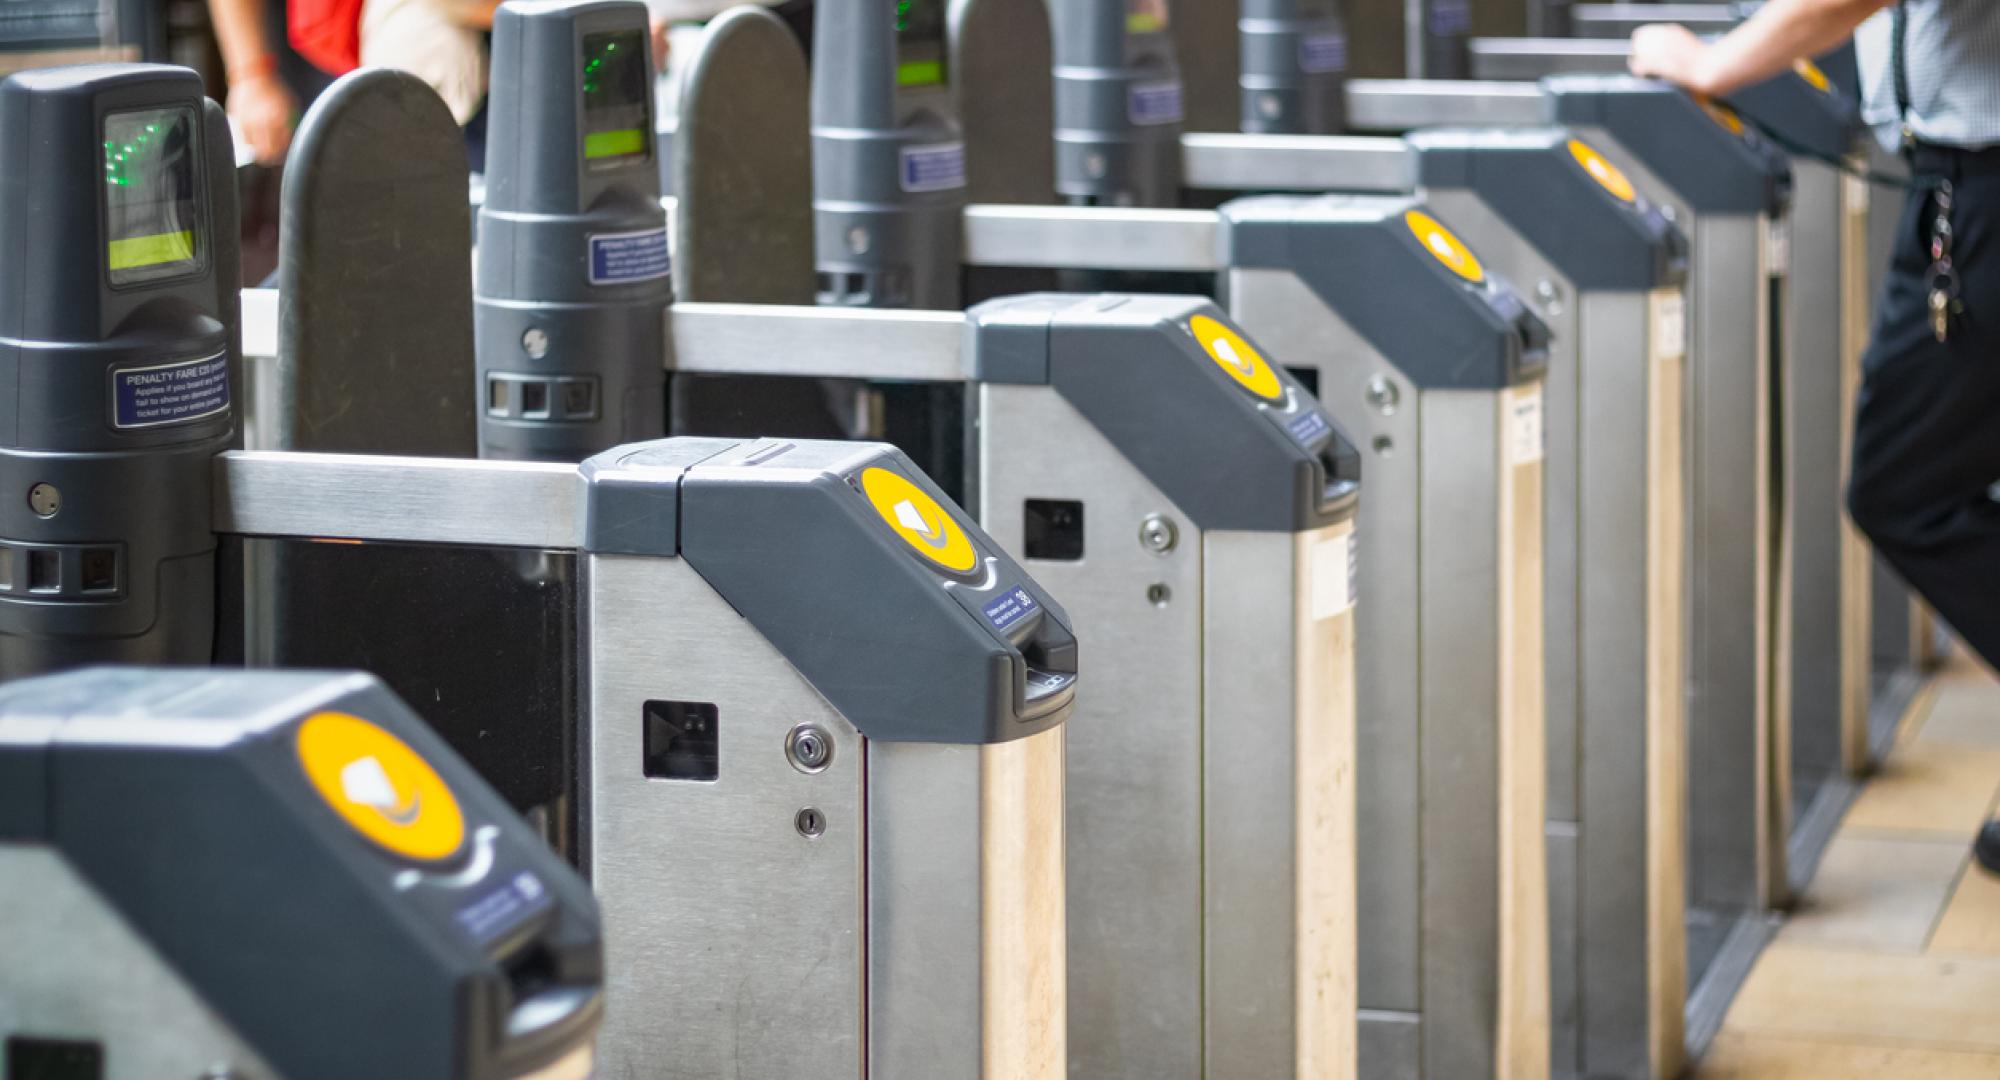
[1323, 53]
[620, 258]
[498, 912]
[1155, 102]
[1012, 606]
[1450, 18]
[170, 393]
[936, 167]
[1308, 428]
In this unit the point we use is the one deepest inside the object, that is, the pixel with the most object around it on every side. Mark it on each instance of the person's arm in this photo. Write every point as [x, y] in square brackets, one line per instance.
[257, 99]
[1768, 43]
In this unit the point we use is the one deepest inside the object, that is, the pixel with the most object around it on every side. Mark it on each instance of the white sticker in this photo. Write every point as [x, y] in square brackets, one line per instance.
[1524, 427]
[1336, 575]
[1669, 324]
[1779, 250]
[1857, 194]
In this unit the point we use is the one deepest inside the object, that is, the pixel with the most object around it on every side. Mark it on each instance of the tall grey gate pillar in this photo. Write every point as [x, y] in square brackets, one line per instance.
[1608, 272]
[1439, 371]
[859, 742]
[1184, 493]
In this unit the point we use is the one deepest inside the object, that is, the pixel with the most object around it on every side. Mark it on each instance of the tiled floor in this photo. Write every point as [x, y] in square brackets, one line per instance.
[1891, 965]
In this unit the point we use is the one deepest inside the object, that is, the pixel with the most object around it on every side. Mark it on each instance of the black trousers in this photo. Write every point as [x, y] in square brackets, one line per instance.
[1927, 427]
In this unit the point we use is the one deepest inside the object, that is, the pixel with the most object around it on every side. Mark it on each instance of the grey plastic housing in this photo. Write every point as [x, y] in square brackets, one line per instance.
[1363, 261]
[906, 650]
[1530, 178]
[541, 324]
[1294, 67]
[134, 500]
[1715, 170]
[1816, 121]
[179, 795]
[1118, 108]
[888, 168]
[1131, 365]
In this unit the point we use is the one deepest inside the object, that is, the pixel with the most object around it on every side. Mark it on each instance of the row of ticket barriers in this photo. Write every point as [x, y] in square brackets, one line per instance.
[726, 539]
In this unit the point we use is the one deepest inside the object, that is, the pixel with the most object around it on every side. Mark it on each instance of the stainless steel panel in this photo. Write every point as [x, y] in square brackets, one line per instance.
[845, 343]
[74, 968]
[1399, 105]
[1565, 963]
[734, 945]
[1094, 238]
[1391, 1046]
[1528, 59]
[1618, 20]
[923, 895]
[1135, 741]
[414, 500]
[1814, 318]
[1297, 163]
[1264, 977]
[1729, 674]
[1290, 321]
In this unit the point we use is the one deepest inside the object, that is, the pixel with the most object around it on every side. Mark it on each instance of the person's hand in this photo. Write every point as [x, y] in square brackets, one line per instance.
[659, 29]
[264, 107]
[1673, 53]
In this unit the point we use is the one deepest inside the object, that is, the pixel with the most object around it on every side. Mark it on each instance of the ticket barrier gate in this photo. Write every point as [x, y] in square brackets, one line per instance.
[1726, 188]
[335, 868]
[1825, 319]
[1146, 459]
[934, 948]
[1608, 271]
[1899, 643]
[1443, 994]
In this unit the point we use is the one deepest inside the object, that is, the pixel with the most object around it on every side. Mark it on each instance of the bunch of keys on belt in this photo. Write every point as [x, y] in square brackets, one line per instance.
[1944, 301]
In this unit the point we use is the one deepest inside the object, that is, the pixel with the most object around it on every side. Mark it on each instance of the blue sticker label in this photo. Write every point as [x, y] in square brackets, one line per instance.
[1323, 53]
[1013, 605]
[937, 167]
[1155, 102]
[619, 258]
[497, 913]
[170, 393]
[1450, 18]
[1308, 428]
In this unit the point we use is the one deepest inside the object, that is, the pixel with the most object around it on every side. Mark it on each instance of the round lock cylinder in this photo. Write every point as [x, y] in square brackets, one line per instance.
[1294, 67]
[119, 211]
[573, 280]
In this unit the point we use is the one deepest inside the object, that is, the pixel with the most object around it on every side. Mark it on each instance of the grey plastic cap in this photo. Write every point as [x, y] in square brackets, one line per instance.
[1709, 166]
[1230, 457]
[1530, 177]
[1364, 261]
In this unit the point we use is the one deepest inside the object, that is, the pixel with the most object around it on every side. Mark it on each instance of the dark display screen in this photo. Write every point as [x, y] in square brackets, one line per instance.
[152, 222]
[1145, 16]
[615, 125]
[919, 42]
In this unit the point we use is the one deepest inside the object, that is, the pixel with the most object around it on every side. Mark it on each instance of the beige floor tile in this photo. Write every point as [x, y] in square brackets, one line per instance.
[1736, 1056]
[1966, 713]
[1876, 893]
[1930, 785]
[1971, 922]
[1947, 1002]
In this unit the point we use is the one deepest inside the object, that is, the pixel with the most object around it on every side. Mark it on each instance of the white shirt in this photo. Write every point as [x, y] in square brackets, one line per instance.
[1953, 52]
[674, 11]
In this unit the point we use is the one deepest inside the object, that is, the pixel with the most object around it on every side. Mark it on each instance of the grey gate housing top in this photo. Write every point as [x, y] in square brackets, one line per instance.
[1118, 104]
[888, 156]
[119, 193]
[1293, 68]
[342, 893]
[572, 280]
[1658, 123]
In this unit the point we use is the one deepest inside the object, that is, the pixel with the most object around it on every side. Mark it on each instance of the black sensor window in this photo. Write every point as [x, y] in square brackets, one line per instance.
[152, 222]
